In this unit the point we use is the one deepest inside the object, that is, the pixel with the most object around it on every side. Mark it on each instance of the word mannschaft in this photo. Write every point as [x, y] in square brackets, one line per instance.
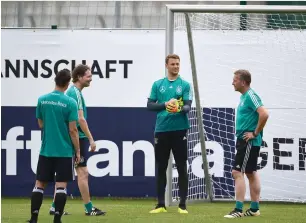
[46, 68]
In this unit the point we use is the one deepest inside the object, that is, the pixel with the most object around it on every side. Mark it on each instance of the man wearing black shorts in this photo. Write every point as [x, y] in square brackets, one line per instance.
[81, 78]
[57, 115]
[250, 121]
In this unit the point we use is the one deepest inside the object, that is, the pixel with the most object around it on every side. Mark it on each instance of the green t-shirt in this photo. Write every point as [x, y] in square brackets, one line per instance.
[56, 110]
[247, 116]
[76, 94]
[162, 91]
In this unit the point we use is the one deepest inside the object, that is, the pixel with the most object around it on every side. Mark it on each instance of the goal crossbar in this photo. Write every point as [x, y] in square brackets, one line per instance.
[171, 9]
[234, 8]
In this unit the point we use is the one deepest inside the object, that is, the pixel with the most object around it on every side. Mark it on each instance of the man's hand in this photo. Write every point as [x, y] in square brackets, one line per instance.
[173, 106]
[248, 136]
[180, 101]
[170, 102]
[92, 146]
[77, 157]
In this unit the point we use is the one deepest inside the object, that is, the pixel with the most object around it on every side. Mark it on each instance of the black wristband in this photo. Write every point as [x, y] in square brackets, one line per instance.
[254, 134]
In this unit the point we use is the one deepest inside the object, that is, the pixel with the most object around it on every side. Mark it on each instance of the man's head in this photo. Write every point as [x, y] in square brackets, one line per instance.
[81, 74]
[173, 64]
[62, 79]
[241, 80]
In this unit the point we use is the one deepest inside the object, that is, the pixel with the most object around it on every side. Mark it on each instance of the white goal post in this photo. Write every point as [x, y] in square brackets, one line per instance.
[213, 41]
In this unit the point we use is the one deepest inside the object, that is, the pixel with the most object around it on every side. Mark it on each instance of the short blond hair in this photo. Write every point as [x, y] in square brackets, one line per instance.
[172, 56]
[244, 75]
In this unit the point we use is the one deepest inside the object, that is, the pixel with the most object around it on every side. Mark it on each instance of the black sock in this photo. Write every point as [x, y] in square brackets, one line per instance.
[182, 205]
[59, 202]
[36, 201]
[161, 204]
[239, 210]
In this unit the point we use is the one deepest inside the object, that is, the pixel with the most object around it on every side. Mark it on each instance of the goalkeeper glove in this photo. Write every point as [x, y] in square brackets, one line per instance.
[180, 102]
[173, 107]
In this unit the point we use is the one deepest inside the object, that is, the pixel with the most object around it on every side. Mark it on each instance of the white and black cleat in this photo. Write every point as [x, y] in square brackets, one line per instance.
[234, 214]
[95, 212]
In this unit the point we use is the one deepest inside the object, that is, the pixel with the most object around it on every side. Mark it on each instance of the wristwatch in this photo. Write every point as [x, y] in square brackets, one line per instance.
[255, 134]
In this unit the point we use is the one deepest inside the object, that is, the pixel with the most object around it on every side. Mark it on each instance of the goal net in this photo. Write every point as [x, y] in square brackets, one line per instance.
[272, 46]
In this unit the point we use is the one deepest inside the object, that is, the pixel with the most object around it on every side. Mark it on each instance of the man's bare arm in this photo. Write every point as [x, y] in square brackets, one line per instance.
[262, 119]
[74, 134]
[84, 126]
[40, 123]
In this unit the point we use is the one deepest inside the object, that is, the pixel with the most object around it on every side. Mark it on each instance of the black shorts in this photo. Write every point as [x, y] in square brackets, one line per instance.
[176, 141]
[246, 157]
[84, 146]
[61, 167]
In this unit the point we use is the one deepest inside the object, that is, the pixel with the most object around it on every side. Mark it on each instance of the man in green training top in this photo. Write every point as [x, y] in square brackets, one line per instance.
[250, 121]
[57, 115]
[171, 97]
[81, 78]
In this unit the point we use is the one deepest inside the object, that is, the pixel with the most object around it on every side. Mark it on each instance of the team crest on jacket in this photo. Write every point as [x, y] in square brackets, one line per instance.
[179, 89]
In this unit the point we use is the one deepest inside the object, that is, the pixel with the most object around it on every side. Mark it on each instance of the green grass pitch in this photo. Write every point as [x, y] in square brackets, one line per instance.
[136, 211]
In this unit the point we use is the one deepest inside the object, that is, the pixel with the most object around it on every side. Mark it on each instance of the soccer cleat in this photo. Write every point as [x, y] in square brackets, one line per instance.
[234, 214]
[31, 221]
[52, 212]
[95, 212]
[158, 209]
[251, 213]
[182, 210]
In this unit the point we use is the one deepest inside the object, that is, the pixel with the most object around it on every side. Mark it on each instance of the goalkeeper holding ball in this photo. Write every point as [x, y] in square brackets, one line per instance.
[171, 98]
